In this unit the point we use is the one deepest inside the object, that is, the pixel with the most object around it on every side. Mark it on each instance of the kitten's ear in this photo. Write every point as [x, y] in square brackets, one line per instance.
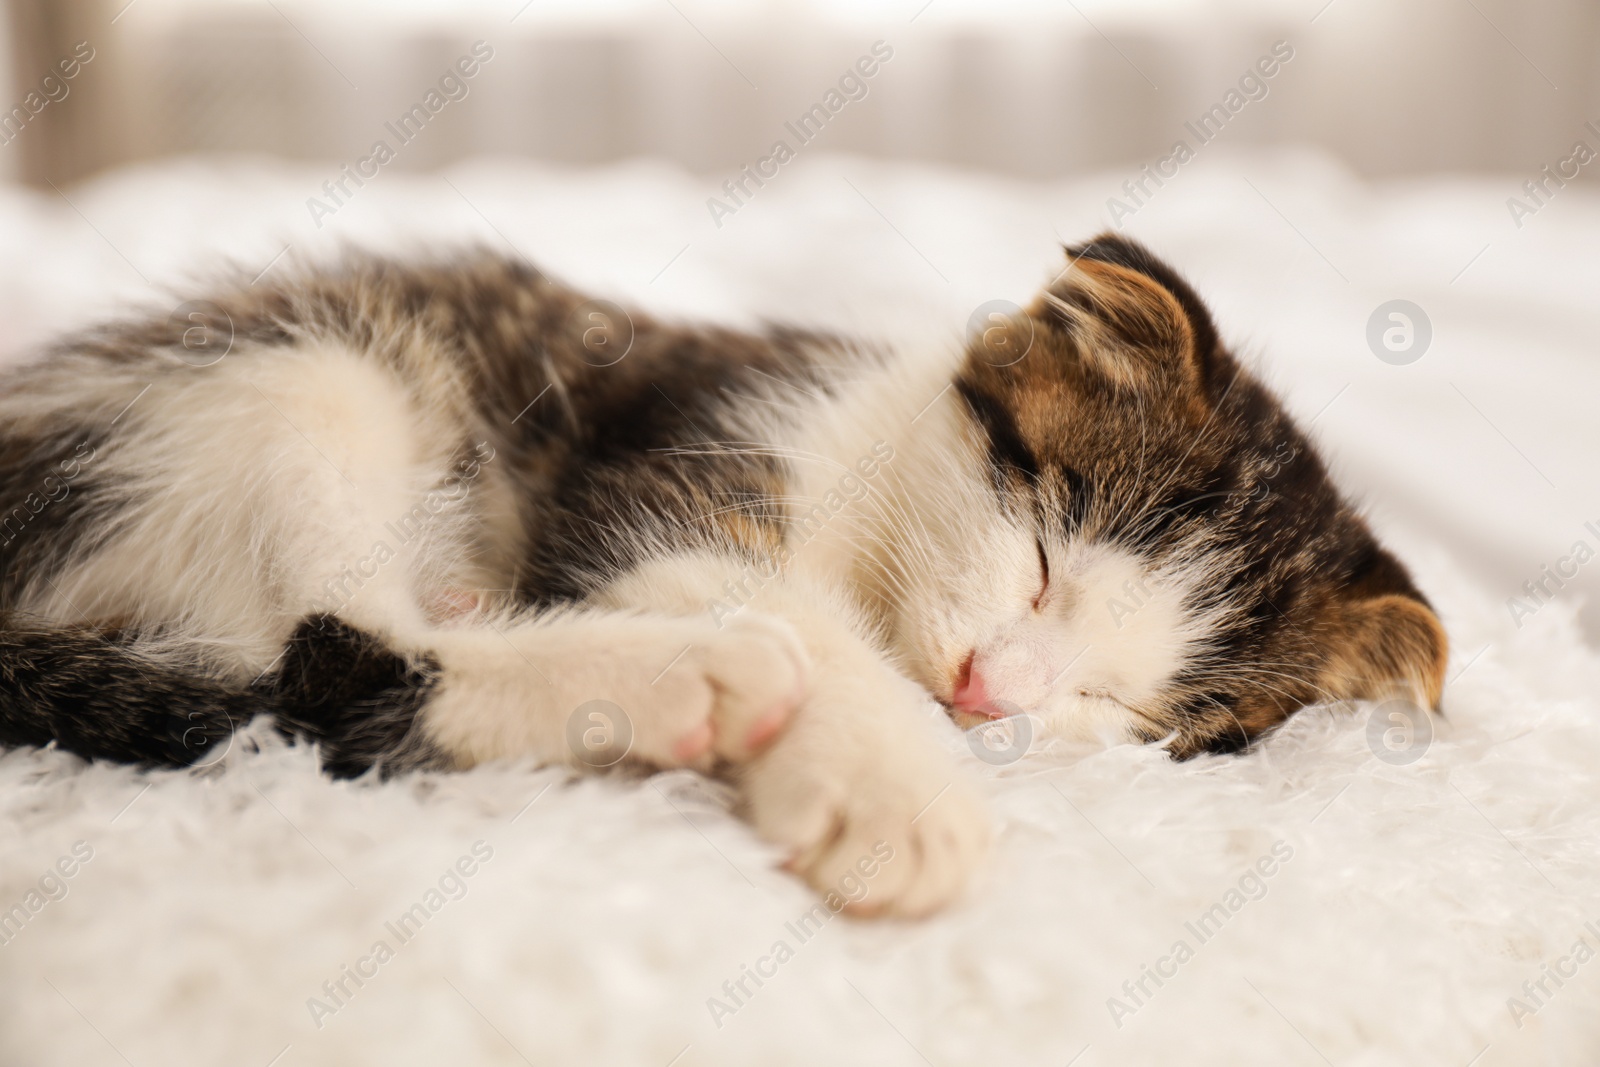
[1135, 320]
[1388, 645]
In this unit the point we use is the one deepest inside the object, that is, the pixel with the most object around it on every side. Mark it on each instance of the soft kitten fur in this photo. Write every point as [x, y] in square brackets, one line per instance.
[425, 513]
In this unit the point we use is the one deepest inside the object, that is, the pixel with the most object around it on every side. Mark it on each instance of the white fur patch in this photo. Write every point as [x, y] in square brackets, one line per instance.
[249, 484]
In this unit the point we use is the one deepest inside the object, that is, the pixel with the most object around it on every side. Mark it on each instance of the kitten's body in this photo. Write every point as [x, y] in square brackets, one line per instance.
[426, 514]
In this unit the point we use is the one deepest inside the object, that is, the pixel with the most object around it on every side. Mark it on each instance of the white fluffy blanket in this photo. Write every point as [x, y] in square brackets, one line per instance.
[1306, 903]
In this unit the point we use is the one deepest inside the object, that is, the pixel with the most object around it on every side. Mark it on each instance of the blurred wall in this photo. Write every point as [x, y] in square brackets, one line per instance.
[1032, 89]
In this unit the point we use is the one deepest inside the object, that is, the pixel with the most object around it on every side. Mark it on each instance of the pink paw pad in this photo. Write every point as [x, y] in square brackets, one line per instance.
[767, 727]
[693, 745]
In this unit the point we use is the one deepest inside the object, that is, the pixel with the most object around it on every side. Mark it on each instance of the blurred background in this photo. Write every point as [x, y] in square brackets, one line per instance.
[1336, 156]
[1037, 88]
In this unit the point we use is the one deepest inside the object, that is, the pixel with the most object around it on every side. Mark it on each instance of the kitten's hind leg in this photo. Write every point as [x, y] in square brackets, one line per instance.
[371, 516]
[371, 675]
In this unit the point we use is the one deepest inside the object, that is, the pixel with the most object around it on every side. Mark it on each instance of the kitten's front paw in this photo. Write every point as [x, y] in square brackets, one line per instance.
[887, 822]
[725, 695]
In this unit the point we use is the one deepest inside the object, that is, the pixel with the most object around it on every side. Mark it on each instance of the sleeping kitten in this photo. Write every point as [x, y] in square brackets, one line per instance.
[431, 515]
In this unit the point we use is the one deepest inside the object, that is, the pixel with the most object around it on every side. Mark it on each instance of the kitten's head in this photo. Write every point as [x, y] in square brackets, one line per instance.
[1164, 554]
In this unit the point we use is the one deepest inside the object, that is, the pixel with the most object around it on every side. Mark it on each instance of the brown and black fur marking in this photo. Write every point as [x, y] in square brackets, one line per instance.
[1132, 424]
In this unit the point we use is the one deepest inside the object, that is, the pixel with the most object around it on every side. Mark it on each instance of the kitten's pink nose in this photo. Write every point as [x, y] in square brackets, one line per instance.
[972, 694]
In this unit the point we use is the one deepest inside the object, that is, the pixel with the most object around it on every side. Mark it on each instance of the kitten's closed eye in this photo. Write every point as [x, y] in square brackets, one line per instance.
[1044, 573]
